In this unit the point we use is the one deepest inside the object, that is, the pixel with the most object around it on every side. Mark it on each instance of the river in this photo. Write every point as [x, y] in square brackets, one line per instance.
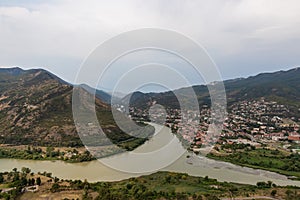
[131, 161]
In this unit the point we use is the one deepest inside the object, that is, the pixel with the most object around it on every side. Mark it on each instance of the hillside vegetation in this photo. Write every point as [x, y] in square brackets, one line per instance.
[36, 109]
[282, 87]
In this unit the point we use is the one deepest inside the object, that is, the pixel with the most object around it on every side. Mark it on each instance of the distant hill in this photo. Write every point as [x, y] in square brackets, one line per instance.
[36, 109]
[281, 86]
[105, 97]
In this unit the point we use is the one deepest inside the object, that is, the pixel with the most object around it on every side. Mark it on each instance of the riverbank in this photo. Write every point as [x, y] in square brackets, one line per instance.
[72, 155]
[279, 161]
[24, 184]
[78, 154]
[94, 171]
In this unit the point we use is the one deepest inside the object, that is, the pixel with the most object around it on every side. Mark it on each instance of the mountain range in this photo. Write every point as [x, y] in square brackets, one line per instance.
[281, 86]
[36, 105]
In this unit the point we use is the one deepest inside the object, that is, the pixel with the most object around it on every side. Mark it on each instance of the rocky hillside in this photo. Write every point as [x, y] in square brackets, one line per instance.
[35, 108]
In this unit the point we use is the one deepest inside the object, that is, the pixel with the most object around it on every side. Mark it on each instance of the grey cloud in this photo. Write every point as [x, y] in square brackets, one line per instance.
[243, 37]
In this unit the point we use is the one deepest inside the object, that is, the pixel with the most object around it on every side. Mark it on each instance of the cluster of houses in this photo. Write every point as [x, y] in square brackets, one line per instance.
[262, 120]
[257, 120]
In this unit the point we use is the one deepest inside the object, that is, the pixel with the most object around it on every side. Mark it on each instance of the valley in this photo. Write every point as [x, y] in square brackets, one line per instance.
[259, 132]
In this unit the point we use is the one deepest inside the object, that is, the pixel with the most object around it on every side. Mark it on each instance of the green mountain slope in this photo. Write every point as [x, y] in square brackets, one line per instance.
[281, 86]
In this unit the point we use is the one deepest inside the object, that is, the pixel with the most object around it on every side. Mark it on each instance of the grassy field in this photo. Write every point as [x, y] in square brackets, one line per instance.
[279, 161]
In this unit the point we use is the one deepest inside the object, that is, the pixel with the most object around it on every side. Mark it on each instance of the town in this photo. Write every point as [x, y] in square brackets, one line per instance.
[253, 122]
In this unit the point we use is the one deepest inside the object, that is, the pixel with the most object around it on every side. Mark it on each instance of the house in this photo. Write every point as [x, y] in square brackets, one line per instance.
[294, 138]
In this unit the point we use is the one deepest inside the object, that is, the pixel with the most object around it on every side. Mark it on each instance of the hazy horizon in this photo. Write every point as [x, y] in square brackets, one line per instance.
[151, 89]
[243, 38]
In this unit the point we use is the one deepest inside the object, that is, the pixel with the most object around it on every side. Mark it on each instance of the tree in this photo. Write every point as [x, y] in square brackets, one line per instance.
[38, 181]
[16, 177]
[1, 178]
[264, 184]
[206, 178]
[56, 179]
[233, 190]
[270, 183]
[23, 181]
[49, 151]
[168, 179]
[273, 193]
[25, 170]
[55, 187]
[288, 193]
[85, 195]
[31, 181]
[75, 151]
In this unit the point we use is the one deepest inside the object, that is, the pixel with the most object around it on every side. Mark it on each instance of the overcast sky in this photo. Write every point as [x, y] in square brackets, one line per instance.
[243, 37]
